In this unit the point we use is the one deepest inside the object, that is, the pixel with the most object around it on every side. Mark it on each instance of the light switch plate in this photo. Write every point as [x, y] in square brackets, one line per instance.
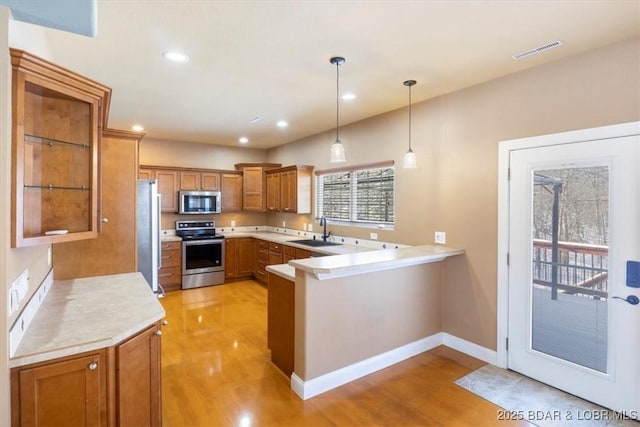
[373, 236]
[440, 237]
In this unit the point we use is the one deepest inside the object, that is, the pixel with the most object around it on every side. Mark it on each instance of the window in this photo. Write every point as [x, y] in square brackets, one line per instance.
[363, 195]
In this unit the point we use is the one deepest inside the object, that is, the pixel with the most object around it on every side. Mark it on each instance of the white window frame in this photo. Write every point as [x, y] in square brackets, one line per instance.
[353, 220]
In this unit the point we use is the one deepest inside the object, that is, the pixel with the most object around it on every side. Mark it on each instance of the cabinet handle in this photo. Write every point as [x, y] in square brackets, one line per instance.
[165, 322]
[158, 332]
[93, 366]
[105, 220]
[165, 274]
[166, 256]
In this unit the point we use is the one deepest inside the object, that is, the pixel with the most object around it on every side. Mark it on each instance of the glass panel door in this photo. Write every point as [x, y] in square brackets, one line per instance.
[569, 244]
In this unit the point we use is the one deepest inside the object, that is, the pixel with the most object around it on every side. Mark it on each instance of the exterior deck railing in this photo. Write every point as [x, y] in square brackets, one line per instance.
[582, 269]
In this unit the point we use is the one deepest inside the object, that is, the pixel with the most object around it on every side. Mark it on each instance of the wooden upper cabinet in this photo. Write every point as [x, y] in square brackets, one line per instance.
[57, 120]
[254, 185]
[195, 180]
[231, 192]
[289, 189]
[168, 188]
[146, 173]
[273, 191]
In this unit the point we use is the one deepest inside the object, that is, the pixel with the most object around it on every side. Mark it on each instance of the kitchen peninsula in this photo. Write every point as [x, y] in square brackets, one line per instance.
[333, 319]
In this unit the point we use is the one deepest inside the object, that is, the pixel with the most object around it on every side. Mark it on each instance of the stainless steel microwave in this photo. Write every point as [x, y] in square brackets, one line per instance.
[199, 202]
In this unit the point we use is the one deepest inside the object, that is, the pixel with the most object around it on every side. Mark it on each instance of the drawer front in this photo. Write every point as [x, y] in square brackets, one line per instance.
[290, 251]
[170, 276]
[263, 254]
[275, 247]
[262, 244]
[171, 258]
[170, 246]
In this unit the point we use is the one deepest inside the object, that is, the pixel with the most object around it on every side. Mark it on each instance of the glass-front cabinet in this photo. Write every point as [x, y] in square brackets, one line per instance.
[58, 117]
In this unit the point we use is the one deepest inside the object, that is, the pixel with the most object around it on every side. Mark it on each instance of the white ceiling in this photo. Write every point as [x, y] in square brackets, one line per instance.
[270, 59]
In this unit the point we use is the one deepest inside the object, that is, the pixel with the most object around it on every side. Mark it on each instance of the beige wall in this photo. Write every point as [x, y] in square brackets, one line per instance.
[158, 152]
[456, 140]
[345, 320]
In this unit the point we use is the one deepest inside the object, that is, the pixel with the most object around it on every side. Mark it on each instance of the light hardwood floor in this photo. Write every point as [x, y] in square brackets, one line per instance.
[217, 372]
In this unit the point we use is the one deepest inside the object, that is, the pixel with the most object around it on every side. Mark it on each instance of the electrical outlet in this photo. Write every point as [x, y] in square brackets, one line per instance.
[373, 236]
[310, 227]
[233, 223]
[284, 224]
[441, 237]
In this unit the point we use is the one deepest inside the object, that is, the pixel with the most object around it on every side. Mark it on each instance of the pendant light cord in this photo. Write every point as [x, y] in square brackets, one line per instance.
[337, 101]
[409, 118]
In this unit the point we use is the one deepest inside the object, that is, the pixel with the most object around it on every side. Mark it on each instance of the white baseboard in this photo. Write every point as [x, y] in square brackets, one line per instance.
[469, 348]
[331, 380]
[315, 386]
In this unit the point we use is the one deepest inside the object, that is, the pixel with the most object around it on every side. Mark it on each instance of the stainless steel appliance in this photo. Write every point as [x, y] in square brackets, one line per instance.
[148, 230]
[202, 254]
[199, 202]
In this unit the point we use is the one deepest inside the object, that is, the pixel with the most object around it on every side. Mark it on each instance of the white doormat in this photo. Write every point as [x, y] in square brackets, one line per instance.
[525, 399]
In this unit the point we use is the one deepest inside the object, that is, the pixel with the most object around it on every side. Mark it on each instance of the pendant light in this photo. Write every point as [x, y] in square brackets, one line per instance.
[409, 157]
[337, 149]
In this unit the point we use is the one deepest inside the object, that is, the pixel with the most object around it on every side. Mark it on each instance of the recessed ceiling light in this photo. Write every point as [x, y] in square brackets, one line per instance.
[175, 56]
[348, 96]
[243, 140]
[137, 128]
[282, 124]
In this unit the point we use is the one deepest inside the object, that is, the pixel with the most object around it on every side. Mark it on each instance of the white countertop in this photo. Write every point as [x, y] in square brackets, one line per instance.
[367, 262]
[81, 315]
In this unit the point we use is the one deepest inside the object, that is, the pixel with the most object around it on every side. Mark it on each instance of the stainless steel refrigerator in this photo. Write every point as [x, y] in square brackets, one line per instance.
[148, 225]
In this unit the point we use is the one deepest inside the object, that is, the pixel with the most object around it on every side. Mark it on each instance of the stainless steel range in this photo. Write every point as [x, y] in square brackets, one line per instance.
[202, 254]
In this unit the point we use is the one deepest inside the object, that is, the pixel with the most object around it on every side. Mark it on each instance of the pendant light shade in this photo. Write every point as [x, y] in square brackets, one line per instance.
[410, 161]
[337, 149]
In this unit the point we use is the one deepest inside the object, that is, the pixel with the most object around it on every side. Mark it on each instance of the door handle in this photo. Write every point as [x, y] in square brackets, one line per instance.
[631, 299]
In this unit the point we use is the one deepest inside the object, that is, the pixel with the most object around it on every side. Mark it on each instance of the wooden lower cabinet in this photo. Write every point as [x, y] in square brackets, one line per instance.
[262, 260]
[281, 322]
[238, 258]
[275, 253]
[119, 385]
[138, 376]
[66, 392]
[170, 274]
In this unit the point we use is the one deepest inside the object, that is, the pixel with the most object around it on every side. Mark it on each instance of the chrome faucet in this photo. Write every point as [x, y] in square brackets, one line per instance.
[323, 223]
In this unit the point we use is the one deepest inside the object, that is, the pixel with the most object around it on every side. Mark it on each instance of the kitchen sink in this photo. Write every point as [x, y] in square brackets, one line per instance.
[315, 243]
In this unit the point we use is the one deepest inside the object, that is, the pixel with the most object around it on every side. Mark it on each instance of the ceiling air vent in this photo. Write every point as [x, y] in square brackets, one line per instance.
[537, 50]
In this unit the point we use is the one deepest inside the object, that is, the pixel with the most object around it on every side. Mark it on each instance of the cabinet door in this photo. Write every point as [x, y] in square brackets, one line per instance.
[288, 194]
[253, 189]
[139, 381]
[281, 322]
[119, 170]
[68, 392]
[189, 180]
[231, 259]
[210, 181]
[231, 192]
[273, 192]
[55, 129]
[245, 256]
[146, 174]
[168, 187]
